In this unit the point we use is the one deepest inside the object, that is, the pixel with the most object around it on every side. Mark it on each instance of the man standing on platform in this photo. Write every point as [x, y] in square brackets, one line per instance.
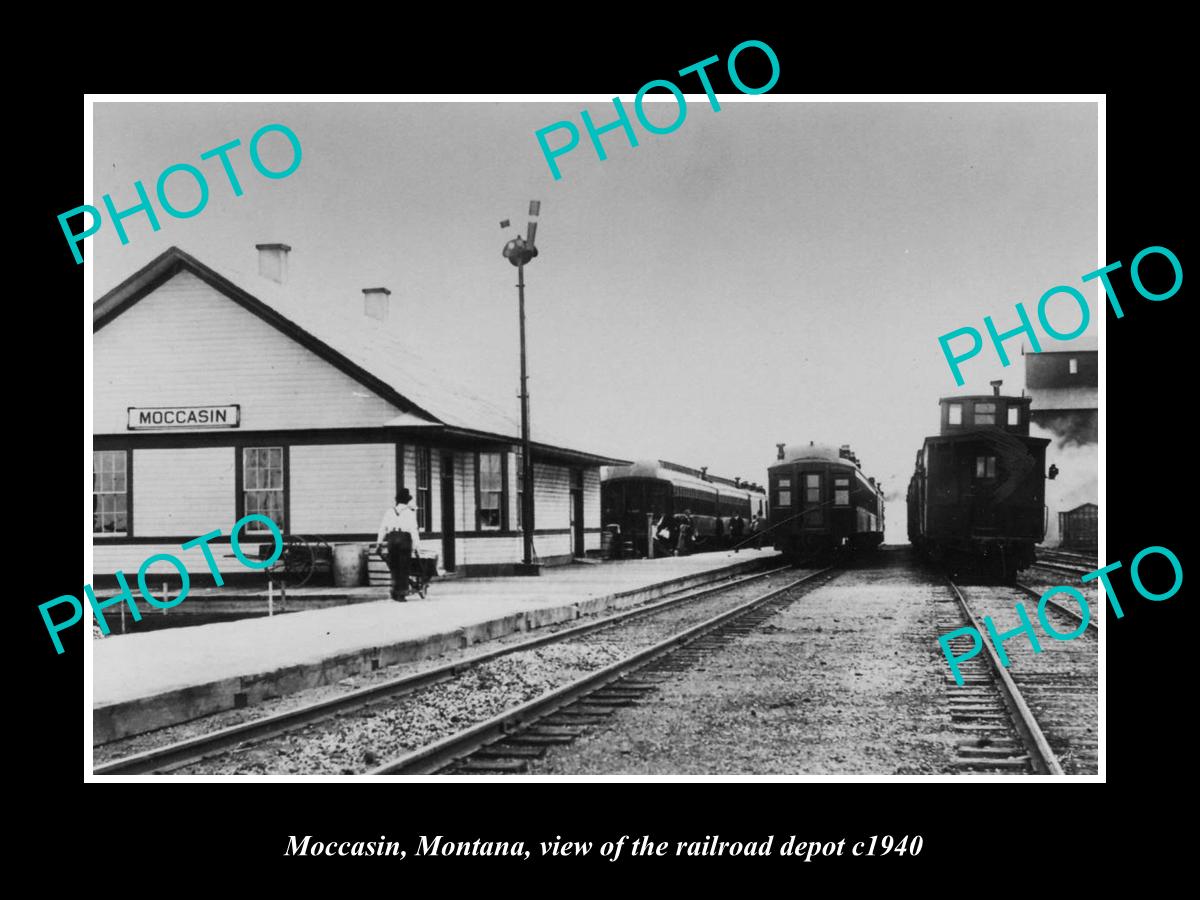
[399, 531]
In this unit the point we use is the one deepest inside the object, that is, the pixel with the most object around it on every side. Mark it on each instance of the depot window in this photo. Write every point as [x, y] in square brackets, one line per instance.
[955, 413]
[841, 491]
[423, 511]
[985, 467]
[110, 496]
[490, 480]
[985, 413]
[262, 486]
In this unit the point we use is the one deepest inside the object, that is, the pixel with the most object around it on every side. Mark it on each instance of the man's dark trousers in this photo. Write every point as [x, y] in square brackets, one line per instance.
[399, 545]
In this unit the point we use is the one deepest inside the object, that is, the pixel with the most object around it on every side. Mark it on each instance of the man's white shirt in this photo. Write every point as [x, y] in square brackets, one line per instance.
[401, 517]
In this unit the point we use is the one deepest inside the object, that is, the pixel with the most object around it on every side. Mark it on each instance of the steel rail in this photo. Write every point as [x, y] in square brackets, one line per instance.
[201, 747]
[1065, 610]
[1077, 571]
[433, 757]
[1041, 756]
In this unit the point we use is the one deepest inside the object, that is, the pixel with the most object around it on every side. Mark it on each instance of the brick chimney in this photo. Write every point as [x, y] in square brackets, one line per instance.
[375, 302]
[272, 261]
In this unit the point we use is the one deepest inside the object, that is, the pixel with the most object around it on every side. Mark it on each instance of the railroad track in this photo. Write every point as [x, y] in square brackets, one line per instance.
[231, 739]
[1071, 613]
[1034, 717]
[1075, 571]
[1071, 559]
[507, 742]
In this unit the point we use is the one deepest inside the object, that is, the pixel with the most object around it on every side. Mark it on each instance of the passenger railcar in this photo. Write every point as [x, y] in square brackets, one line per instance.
[645, 498]
[977, 495]
[821, 502]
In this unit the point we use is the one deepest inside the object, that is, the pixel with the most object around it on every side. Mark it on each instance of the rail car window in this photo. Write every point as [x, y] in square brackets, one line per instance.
[985, 467]
[1014, 415]
[985, 413]
[1073, 366]
[954, 411]
[812, 489]
[784, 486]
[841, 491]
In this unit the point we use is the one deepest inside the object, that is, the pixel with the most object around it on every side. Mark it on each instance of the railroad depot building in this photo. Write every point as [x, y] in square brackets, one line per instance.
[219, 395]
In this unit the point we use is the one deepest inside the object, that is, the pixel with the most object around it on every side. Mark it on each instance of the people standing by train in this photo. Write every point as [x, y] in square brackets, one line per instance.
[756, 530]
[737, 528]
[684, 521]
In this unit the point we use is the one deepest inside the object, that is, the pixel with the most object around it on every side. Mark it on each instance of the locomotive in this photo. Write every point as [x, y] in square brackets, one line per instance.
[977, 496]
[643, 499]
[821, 502]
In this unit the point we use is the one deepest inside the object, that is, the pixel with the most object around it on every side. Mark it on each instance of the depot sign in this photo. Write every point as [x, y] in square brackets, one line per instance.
[184, 417]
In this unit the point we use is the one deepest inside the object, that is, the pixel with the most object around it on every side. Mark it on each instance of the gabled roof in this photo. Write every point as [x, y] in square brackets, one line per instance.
[370, 355]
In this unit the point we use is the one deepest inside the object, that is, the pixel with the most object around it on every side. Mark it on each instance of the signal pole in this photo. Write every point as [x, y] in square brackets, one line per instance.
[520, 251]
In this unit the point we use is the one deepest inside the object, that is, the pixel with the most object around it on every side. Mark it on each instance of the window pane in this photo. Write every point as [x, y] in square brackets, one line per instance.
[785, 498]
[991, 467]
[108, 491]
[841, 498]
[980, 467]
[1014, 415]
[276, 480]
[955, 413]
[489, 472]
[785, 482]
[812, 480]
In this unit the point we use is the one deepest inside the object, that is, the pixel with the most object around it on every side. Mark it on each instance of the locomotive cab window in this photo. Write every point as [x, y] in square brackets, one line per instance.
[985, 467]
[1014, 415]
[841, 491]
[954, 412]
[985, 413]
[1073, 366]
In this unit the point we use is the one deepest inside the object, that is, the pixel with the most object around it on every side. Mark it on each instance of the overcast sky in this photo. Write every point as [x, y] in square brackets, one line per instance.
[769, 272]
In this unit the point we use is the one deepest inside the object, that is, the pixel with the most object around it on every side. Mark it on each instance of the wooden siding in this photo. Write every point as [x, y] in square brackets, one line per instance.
[184, 491]
[591, 498]
[128, 558]
[339, 488]
[552, 496]
[188, 345]
[464, 493]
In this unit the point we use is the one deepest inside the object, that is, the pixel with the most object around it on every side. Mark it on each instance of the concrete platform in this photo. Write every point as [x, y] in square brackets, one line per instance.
[158, 678]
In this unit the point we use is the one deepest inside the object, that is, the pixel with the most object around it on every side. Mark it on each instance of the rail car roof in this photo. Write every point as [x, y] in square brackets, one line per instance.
[801, 453]
[654, 468]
